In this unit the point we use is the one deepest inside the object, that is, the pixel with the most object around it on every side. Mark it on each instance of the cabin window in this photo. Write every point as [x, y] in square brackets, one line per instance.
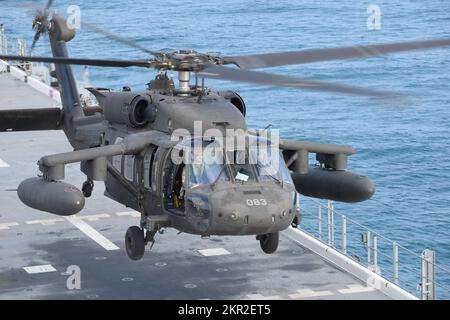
[148, 163]
[154, 168]
[128, 167]
[116, 161]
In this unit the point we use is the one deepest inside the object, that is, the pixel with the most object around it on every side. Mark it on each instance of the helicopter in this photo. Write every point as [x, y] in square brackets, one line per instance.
[153, 156]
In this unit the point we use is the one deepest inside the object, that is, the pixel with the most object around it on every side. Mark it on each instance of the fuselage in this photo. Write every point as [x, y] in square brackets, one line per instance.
[150, 181]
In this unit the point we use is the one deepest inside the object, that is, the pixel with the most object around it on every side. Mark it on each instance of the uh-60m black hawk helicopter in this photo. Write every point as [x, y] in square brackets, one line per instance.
[127, 142]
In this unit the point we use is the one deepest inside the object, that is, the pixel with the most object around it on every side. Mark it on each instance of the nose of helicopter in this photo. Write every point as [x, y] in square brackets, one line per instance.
[249, 210]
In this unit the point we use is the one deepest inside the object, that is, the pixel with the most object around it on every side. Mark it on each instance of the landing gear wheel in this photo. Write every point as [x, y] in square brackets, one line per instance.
[87, 188]
[135, 243]
[269, 242]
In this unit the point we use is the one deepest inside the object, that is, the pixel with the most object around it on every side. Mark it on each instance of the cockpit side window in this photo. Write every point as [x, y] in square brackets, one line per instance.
[209, 162]
[269, 162]
[284, 171]
[175, 191]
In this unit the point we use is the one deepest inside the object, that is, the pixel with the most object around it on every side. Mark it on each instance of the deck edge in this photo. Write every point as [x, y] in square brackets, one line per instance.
[333, 256]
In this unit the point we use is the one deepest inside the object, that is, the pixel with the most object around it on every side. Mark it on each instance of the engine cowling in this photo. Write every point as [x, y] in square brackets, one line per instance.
[129, 108]
[235, 100]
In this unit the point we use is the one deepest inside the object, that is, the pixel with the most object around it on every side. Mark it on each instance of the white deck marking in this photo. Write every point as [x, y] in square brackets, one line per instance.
[45, 222]
[7, 225]
[356, 288]
[94, 217]
[261, 297]
[213, 252]
[39, 269]
[3, 164]
[308, 293]
[129, 213]
[92, 233]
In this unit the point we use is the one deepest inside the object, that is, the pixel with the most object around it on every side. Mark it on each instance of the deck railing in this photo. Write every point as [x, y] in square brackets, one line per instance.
[380, 254]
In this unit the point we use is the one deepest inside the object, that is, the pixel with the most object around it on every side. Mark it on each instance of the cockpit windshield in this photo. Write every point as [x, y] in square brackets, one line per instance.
[267, 161]
[209, 162]
[241, 166]
[206, 164]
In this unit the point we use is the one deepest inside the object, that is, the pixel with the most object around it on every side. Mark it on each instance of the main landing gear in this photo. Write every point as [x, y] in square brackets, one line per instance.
[135, 241]
[137, 238]
[269, 242]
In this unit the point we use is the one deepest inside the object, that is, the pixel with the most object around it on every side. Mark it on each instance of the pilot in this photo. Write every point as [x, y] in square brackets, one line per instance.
[205, 168]
[178, 189]
[84, 100]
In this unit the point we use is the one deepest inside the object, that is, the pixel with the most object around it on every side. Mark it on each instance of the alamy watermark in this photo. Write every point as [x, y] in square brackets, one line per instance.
[73, 20]
[374, 19]
[74, 280]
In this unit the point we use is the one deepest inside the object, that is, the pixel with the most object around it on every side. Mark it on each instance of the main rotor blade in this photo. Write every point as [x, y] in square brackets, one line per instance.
[36, 37]
[117, 38]
[48, 5]
[225, 73]
[316, 55]
[87, 62]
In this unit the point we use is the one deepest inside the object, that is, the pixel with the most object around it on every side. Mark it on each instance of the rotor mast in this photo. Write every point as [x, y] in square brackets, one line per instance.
[183, 82]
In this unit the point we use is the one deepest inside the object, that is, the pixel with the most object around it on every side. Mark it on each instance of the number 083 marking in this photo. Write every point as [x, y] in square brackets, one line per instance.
[256, 202]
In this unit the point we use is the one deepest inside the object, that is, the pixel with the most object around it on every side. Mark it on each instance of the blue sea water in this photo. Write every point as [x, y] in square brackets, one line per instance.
[404, 149]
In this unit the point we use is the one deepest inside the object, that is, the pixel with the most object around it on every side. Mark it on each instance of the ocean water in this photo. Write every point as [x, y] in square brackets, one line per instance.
[404, 149]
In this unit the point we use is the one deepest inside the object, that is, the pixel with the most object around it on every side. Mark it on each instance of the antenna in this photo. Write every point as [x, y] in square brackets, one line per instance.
[202, 92]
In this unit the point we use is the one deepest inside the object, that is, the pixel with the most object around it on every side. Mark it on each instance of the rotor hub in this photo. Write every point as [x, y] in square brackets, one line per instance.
[41, 23]
[186, 60]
